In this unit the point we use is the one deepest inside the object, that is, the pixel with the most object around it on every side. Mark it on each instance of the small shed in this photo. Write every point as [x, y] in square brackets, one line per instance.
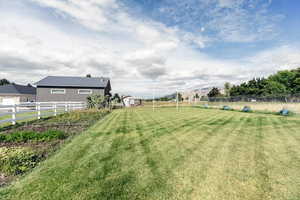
[130, 101]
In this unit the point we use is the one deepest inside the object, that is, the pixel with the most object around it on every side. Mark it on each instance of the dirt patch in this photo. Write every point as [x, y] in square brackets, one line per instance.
[67, 128]
[4, 180]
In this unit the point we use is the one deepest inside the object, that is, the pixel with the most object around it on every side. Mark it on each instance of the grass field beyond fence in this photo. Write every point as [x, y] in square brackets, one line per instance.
[190, 154]
[255, 106]
[260, 106]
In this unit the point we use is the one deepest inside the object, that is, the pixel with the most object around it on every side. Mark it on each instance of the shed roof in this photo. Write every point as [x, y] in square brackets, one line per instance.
[69, 81]
[17, 89]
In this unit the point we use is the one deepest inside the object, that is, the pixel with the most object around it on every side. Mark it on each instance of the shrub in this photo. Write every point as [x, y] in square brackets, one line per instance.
[285, 112]
[226, 108]
[246, 109]
[97, 101]
[17, 160]
[53, 134]
[2, 137]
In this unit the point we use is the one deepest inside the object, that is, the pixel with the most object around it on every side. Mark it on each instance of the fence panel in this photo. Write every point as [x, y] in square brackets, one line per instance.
[14, 113]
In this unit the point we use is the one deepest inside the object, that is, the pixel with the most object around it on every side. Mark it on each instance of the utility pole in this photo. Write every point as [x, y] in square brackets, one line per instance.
[177, 98]
[153, 106]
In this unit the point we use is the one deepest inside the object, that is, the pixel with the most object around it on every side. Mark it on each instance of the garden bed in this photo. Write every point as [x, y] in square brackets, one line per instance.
[24, 146]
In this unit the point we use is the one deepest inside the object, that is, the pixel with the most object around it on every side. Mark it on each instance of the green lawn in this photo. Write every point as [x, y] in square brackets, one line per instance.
[191, 154]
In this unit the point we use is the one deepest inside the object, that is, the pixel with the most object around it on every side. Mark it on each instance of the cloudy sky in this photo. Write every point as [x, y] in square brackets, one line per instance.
[146, 44]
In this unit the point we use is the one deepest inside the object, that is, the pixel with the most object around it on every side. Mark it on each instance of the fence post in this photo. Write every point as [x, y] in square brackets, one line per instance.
[39, 110]
[13, 116]
[55, 109]
[66, 107]
[17, 108]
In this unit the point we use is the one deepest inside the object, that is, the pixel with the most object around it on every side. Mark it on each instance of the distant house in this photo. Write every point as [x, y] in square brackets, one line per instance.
[71, 89]
[14, 94]
[130, 101]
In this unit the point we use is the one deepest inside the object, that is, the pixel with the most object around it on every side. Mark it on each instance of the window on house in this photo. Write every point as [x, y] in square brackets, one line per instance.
[58, 91]
[85, 91]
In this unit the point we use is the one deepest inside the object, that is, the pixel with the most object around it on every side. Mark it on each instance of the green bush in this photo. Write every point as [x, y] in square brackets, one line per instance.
[246, 109]
[226, 108]
[97, 101]
[25, 136]
[17, 160]
[53, 134]
[286, 112]
[2, 137]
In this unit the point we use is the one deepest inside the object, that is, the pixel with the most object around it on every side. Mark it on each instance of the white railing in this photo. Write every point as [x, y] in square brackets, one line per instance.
[37, 110]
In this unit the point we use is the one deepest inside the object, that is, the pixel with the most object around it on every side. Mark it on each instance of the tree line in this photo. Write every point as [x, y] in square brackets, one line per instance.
[286, 82]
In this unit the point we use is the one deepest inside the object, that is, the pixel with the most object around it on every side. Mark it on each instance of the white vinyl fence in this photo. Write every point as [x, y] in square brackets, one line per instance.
[37, 110]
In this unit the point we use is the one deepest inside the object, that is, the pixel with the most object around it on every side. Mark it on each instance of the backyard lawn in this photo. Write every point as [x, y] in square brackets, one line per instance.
[190, 154]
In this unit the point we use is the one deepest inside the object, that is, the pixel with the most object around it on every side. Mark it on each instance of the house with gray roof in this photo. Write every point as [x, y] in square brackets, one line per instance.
[15, 94]
[71, 89]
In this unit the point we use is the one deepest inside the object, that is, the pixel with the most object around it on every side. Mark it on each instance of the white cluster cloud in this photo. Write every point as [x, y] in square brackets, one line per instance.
[229, 20]
[137, 54]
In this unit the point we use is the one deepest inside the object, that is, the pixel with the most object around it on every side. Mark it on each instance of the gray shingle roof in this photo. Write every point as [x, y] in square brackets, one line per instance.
[17, 89]
[68, 81]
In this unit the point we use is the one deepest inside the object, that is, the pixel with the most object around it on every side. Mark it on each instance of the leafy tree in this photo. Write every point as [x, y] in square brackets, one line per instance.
[179, 97]
[89, 76]
[283, 82]
[214, 92]
[286, 78]
[227, 87]
[297, 85]
[116, 98]
[274, 88]
[4, 81]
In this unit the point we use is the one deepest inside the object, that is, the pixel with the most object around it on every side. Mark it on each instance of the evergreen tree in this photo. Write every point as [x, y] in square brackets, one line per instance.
[214, 92]
[4, 81]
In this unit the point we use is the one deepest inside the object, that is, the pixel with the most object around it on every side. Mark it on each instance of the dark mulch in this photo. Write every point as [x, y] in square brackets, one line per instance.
[67, 128]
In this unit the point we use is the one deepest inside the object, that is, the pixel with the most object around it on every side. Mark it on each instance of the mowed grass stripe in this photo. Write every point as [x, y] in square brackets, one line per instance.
[176, 138]
[287, 158]
[109, 192]
[198, 170]
[160, 167]
[176, 118]
[231, 173]
[189, 154]
[262, 166]
[179, 146]
[215, 173]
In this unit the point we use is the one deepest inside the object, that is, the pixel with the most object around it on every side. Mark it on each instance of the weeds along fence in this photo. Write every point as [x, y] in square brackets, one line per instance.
[37, 110]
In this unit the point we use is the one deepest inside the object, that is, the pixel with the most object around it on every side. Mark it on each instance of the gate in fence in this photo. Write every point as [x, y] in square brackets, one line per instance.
[26, 111]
